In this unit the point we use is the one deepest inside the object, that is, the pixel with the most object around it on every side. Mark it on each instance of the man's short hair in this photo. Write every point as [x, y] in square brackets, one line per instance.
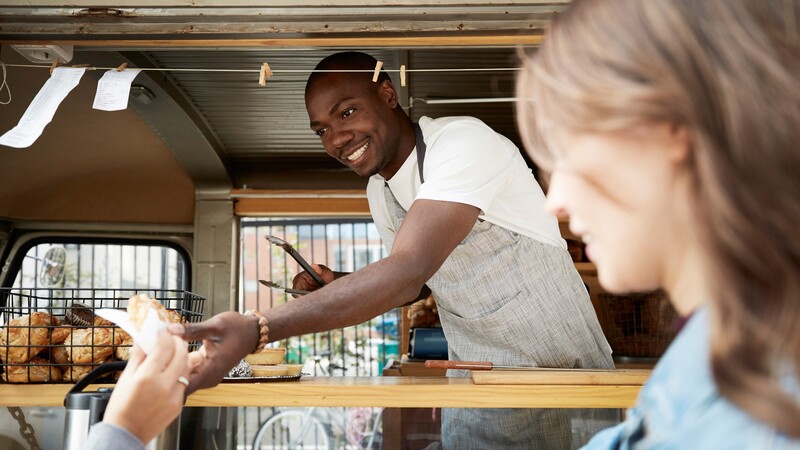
[347, 61]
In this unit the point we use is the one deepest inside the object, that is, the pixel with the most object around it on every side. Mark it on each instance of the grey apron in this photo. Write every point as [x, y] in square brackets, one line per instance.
[510, 299]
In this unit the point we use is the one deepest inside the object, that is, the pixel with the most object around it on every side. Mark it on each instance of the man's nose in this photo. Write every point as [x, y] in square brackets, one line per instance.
[339, 138]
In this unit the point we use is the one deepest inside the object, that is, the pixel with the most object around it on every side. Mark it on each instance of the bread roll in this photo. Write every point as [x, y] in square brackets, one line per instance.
[293, 369]
[123, 349]
[267, 356]
[140, 304]
[269, 371]
[75, 373]
[91, 345]
[24, 337]
[38, 370]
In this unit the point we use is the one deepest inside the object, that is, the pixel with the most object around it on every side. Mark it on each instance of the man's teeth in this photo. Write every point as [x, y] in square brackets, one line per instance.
[586, 239]
[357, 154]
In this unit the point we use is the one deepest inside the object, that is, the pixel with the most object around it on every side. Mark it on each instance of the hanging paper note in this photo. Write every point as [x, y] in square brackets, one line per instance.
[113, 89]
[41, 110]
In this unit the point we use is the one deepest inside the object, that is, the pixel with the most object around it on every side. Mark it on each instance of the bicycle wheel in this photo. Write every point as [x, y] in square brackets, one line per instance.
[289, 430]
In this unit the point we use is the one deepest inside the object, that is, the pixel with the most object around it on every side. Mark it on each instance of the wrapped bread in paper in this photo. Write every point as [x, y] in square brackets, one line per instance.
[142, 321]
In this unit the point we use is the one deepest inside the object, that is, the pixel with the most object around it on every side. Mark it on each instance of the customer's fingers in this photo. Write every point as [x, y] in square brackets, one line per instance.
[196, 358]
[179, 362]
[161, 354]
[135, 358]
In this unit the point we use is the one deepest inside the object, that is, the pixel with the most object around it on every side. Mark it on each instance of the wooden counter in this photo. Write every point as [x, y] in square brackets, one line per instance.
[391, 392]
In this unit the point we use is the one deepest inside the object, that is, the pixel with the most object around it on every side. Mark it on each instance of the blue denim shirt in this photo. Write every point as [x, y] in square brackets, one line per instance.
[680, 408]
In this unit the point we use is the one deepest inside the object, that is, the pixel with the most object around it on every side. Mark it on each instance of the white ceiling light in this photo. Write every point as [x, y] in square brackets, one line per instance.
[45, 54]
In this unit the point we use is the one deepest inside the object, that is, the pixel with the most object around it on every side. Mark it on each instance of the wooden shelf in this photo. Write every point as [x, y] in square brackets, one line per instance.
[586, 268]
[390, 392]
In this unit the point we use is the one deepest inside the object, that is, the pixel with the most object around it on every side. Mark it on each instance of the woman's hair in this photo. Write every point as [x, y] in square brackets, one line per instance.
[728, 71]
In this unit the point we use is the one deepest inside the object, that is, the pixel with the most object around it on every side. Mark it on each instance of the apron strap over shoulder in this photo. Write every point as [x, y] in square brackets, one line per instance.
[420, 150]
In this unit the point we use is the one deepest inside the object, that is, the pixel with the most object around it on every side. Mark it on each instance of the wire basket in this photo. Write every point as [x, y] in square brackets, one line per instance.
[52, 335]
[638, 325]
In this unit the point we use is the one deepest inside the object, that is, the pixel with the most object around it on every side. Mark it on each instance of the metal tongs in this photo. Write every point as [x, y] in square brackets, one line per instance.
[278, 288]
[287, 247]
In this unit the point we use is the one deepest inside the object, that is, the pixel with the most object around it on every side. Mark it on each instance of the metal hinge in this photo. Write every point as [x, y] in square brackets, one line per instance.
[97, 12]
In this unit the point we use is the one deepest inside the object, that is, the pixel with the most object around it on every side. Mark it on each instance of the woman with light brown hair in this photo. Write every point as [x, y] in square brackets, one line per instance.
[671, 131]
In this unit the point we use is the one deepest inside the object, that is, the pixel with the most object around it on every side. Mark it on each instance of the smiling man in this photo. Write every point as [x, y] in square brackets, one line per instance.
[462, 215]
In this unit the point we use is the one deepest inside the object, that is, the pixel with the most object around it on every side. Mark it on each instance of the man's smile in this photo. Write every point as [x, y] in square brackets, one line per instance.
[357, 153]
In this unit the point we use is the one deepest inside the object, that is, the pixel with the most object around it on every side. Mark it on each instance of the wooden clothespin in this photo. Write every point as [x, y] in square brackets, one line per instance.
[377, 73]
[54, 65]
[403, 75]
[122, 67]
[264, 74]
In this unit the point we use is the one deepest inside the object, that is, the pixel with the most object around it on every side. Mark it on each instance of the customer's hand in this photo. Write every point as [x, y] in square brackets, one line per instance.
[227, 338]
[148, 395]
[304, 281]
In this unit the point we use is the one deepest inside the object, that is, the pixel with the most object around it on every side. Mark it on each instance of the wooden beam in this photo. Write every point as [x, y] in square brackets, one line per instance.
[372, 42]
[249, 202]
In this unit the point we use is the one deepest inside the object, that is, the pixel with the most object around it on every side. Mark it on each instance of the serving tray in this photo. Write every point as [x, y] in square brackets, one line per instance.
[261, 379]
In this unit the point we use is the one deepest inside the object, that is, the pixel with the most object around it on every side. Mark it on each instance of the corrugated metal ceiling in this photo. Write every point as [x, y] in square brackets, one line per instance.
[251, 121]
[260, 134]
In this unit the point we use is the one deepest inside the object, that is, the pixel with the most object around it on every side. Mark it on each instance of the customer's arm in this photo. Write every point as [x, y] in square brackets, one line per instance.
[147, 397]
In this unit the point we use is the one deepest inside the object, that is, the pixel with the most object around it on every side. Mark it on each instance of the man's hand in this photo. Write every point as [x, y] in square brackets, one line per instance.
[304, 281]
[227, 338]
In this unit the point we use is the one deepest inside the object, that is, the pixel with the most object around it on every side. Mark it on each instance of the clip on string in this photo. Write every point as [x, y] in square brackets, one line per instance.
[54, 65]
[264, 74]
[122, 67]
[5, 85]
[403, 75]
[376, 74]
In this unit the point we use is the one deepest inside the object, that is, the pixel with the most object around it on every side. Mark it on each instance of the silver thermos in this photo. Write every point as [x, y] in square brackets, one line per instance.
[84, 409]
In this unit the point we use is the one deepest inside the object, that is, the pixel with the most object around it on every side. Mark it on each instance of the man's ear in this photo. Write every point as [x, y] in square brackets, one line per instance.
[388, 93]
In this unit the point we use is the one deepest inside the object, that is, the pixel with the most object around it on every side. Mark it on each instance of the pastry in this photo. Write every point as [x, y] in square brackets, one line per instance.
[59, 334]
[241, 370]
[269, 371]
[293, 369]
[140, 304]
[75, 373]
[423, 314]
[175, 317]
[123, 349]
[91, 345]
[24, 337]
[37, 371]
[267, 356]
[59, 355]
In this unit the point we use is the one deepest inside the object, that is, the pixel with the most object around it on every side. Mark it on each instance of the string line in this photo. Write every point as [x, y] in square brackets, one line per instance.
[161, 69]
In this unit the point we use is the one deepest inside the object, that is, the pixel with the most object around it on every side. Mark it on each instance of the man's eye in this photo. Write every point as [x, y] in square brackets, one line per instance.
[320, 132]
[346, 113]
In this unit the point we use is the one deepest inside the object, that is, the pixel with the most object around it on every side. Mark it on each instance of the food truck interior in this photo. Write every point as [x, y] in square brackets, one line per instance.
[175, 193]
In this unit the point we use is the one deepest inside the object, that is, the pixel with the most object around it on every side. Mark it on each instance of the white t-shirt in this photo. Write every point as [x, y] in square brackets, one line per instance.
[468, 162]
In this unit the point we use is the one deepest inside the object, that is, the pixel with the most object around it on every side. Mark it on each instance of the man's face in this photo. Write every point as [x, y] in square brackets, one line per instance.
[356, 122]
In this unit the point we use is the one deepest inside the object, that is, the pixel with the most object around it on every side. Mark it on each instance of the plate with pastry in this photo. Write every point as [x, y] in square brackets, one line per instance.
[266, 379]
[244, 372]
